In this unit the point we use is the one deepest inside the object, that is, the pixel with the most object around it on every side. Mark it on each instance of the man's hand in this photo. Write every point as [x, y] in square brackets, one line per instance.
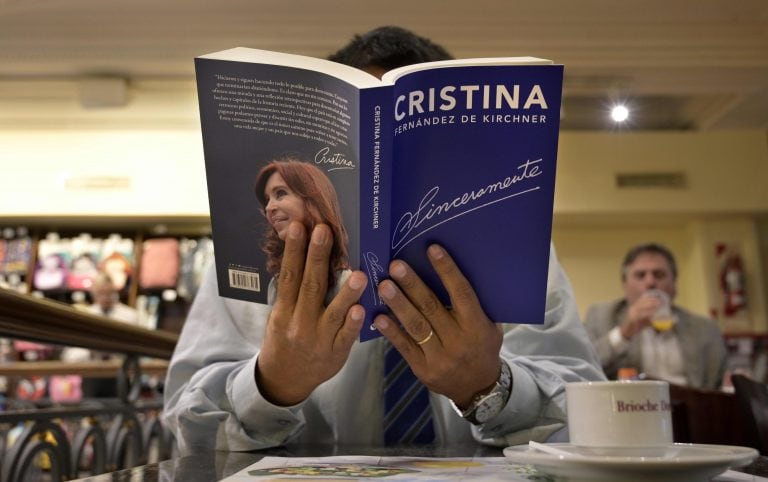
[461, 358]
[639, 315]
[306, 343]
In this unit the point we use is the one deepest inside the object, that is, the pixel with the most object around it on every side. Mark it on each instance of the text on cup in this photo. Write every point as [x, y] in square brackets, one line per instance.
[643, 406]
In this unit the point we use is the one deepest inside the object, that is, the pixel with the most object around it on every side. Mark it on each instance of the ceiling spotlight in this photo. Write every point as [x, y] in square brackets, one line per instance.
[619, 113]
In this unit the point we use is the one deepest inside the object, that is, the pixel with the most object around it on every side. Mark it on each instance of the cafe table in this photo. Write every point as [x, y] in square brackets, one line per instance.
[213, 466]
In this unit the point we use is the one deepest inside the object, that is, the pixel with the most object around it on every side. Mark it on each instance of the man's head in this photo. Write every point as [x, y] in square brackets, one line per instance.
[648, 266]
[104, 292]
[386, 48]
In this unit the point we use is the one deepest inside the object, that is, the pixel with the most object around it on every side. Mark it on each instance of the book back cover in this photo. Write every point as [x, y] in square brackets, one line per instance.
[259, 114]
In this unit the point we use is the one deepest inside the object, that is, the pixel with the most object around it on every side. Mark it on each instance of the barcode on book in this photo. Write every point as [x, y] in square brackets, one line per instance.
[244, 280]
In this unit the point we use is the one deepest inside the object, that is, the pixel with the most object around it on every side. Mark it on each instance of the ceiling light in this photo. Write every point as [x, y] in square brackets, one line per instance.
[619, 113]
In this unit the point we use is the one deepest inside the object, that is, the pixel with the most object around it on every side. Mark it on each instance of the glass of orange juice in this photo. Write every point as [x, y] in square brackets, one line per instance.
[663, 320]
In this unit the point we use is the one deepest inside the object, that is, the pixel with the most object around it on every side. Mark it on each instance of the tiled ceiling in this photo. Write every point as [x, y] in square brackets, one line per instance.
[679, 64]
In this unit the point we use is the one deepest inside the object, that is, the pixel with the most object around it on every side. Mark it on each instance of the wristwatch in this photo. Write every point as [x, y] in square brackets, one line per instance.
[485, 406]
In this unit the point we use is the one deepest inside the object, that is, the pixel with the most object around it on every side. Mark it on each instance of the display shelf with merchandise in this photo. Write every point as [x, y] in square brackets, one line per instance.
[156, 265]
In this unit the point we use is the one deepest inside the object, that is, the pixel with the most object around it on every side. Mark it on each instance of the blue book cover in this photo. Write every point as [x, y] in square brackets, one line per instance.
[461, 153]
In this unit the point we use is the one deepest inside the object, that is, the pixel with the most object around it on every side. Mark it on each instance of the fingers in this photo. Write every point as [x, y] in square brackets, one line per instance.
[292, 267]
[399, 338]
[414, 304]
[314, 282]
[303, 280]
[345, 300]
[462, 295]
[643, 309]
[350, 330]
[417, 307]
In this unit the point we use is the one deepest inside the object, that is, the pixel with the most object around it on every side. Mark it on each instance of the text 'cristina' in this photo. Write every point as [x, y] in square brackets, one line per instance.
[468, 97]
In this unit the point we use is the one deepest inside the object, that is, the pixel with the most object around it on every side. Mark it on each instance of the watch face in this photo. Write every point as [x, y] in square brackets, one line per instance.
[488, 407]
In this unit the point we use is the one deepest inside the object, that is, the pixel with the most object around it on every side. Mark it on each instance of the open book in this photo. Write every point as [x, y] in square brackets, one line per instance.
[460, 153]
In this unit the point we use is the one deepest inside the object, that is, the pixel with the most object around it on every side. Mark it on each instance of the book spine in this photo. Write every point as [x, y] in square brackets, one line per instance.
[375, 195]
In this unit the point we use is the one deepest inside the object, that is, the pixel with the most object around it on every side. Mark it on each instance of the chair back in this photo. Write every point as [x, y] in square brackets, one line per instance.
[753, 399]
[707, 417]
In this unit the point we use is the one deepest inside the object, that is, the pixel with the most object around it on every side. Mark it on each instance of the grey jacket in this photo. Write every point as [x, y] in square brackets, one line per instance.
[701, 342]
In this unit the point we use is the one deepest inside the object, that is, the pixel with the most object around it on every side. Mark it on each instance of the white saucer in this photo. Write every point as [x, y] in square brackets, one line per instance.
[681, 463]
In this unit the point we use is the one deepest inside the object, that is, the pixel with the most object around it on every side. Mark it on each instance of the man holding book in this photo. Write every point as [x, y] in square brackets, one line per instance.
[247, 376]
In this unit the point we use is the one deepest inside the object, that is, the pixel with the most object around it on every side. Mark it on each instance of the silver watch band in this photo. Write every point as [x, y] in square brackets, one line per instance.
[488, 405]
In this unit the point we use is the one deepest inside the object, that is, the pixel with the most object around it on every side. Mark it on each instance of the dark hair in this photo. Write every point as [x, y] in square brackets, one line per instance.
[648, 248]
[319, 196]
[388, 48]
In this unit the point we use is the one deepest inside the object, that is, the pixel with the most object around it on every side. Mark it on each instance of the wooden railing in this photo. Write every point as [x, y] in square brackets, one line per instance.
[47, 321]
[61, 442]
[86, 369]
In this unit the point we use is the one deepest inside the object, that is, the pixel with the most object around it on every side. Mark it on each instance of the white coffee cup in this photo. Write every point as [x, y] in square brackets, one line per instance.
[620, 417]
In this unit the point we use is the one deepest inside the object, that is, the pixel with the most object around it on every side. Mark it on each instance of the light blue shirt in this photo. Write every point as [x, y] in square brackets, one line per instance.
[212, 400]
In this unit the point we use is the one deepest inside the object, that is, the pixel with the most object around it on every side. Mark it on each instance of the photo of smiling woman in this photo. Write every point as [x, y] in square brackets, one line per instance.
[292, 190]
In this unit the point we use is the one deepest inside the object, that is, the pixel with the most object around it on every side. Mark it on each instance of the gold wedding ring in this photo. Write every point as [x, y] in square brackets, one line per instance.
[429, 337]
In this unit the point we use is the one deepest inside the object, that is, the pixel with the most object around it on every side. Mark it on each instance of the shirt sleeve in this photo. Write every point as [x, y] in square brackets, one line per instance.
[211, 397]
[606, 336]
[543, 358]
[617, 341]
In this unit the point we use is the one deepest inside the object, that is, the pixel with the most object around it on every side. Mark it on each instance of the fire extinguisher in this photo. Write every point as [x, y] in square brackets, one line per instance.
[732, 282]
